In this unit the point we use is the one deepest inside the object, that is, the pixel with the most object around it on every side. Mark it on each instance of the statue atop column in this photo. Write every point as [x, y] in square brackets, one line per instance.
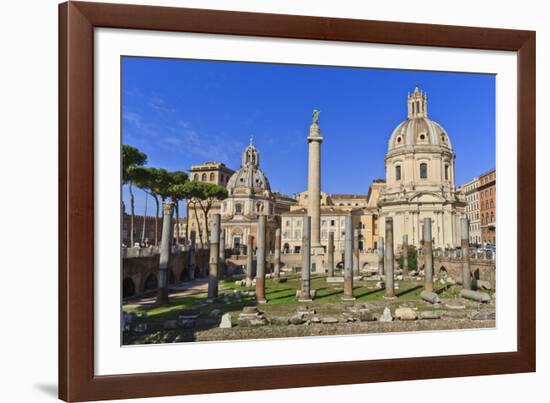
[315, 117]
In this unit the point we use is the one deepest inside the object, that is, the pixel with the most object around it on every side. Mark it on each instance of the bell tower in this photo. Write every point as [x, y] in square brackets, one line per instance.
[417, 104]
[251, 157]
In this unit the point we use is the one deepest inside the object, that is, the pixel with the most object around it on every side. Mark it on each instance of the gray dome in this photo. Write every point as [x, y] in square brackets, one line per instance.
[249, 175]
[419, 131]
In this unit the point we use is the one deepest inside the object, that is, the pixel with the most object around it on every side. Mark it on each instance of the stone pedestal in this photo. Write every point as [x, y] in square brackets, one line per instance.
[165, 247]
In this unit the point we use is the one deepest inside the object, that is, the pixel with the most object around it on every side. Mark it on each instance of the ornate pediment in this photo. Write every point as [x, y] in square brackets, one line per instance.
[426, 197]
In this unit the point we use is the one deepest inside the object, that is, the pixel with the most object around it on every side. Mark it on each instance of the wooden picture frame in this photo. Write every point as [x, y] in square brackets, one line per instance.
[77, 21]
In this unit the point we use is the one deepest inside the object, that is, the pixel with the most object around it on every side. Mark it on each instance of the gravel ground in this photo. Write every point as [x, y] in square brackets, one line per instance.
[469, 316]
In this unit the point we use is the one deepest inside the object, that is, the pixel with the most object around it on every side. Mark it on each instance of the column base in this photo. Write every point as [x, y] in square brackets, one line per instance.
[305, 299]
[389, 298]
[348, 299]
[261, 301]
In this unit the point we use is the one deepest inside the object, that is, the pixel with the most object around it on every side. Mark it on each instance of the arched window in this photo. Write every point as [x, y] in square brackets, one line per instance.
[423, 170]
[203, 178]
[398, 172]
[196, 177]
[492, 217]
[446, 172]
[238, 208]
[212, 176]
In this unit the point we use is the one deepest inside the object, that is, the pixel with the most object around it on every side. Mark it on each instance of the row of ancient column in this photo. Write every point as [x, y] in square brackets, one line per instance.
[351, 260]
[386, 266]
[217, 258]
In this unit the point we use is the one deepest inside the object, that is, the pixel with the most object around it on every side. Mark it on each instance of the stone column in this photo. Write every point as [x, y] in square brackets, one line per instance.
[356, 234]
[249, 259]
[428, 255]
[314, 182]
[165, 246]
[405, 255]
[213, 274]
[330, 257]
[465, 243]
[380, 255]
[389, 292]
[192, 262]
[277, 268]
[222, 253]
[348, 258]
[305, 293]
[260, 261]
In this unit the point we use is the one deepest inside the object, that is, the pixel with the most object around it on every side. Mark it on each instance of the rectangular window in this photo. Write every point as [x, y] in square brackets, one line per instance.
[398, 172]
[423, 171]
[332, 223]
[446, 172]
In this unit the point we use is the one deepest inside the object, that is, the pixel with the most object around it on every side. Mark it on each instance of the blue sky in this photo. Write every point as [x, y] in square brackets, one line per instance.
[185, 112]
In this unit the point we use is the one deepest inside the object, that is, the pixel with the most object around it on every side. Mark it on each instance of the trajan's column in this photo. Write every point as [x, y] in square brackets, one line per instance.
[314, 185]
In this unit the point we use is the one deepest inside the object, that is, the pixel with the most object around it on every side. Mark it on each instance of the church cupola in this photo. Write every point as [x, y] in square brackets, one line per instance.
[251, 157]
[417, 104]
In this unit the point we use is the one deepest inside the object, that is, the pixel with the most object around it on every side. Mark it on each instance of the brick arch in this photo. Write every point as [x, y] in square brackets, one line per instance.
[150, 281]
[442, 272]
[128, 287]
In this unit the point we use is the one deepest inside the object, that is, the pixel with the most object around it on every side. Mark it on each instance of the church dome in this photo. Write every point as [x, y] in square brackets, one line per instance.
[249, 175]
[417, 129]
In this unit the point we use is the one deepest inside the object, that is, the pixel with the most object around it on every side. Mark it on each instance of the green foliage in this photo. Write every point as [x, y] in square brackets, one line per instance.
[131, 157]
[177, 180]
[412, 259]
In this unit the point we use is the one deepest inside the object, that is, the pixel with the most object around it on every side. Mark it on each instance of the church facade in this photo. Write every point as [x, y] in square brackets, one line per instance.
[420, 179]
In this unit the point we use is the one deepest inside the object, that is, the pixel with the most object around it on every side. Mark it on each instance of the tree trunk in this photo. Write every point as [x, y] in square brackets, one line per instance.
[198, 223]
[206, 210]
[177, 208]
[144, 220]
[156, 220]
[132, 214]
[187, 223]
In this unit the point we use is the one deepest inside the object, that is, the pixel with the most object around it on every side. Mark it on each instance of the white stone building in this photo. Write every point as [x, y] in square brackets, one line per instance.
[420, 181]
